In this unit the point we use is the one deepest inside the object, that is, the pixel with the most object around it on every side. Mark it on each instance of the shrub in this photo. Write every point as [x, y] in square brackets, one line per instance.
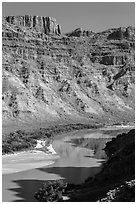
[51, 191]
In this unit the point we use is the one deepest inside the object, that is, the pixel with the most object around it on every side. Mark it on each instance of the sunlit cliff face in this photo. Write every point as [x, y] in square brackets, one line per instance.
[81, 76]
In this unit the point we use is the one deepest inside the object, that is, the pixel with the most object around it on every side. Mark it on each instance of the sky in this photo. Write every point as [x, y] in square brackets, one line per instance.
[94, 16]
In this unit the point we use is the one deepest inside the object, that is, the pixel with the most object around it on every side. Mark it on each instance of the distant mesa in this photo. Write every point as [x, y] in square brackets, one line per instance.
[48, 25]
[122, 33]
[79, 32]
[44, 24]
[113, 34]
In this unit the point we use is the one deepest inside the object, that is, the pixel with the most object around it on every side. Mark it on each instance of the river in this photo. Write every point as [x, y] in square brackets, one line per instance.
[79, 156]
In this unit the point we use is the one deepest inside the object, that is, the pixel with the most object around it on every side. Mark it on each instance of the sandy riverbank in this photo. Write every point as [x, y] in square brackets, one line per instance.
[41, 156]
[117, 127]
[21, 161]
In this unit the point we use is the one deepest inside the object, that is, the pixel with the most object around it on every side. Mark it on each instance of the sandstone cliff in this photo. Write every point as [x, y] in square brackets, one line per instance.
[81, 76]
[44, 24]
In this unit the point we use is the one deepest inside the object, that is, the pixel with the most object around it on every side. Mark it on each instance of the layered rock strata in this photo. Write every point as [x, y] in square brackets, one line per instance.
[49, 76]
[45, 24]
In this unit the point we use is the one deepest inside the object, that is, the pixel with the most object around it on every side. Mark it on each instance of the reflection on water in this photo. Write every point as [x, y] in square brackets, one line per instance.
[95, 144]
[80, 158]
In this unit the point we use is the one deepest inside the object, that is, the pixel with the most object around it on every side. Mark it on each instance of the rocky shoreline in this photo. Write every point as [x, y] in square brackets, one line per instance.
[116, 181]
[117, 171]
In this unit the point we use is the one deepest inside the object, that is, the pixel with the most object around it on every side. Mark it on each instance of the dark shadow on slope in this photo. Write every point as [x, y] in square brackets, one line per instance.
[75, 175]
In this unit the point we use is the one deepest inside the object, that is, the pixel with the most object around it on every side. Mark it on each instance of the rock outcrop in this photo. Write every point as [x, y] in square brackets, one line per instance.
[52, 77]
[123, 33]
[79, 32]
[43, 24]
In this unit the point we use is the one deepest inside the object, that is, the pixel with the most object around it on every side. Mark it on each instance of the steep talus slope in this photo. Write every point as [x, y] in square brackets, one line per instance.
[49, 76]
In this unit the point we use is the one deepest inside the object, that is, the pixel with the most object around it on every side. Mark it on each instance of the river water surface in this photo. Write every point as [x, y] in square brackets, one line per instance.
[79, 156]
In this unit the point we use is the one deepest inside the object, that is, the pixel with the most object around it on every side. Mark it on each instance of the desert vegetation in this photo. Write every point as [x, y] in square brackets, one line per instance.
[118, 174]
[49, 76]
[26, 140]
[51, 191]
[81, 79]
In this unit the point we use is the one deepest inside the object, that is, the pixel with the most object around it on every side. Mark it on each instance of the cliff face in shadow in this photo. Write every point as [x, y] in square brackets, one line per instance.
[81, 76]
[116, 181]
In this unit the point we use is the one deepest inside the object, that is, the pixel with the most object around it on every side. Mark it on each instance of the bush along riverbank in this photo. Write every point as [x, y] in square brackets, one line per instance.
[115, 183]
[21, 140]
[51, 191]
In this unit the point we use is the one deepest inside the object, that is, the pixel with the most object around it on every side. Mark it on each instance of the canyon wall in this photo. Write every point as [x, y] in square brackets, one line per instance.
[49, 76]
